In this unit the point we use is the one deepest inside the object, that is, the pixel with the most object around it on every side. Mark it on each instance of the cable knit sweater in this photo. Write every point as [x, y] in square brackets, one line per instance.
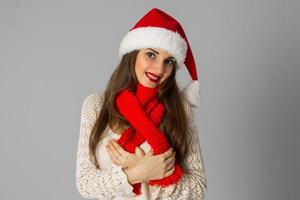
[110, 182]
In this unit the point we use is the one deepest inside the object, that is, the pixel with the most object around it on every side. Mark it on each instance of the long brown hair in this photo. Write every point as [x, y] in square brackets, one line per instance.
[174, 123]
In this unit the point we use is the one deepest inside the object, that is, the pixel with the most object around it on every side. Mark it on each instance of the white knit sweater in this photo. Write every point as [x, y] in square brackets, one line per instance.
[110, 182]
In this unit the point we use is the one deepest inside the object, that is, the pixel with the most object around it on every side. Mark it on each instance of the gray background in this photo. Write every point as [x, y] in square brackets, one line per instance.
[55, 53]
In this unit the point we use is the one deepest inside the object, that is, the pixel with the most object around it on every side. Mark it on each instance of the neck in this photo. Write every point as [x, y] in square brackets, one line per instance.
[145, 94]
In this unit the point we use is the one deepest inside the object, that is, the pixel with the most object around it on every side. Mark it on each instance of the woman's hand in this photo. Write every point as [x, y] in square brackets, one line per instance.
[121, 157]
[141, 167]
[154, 167]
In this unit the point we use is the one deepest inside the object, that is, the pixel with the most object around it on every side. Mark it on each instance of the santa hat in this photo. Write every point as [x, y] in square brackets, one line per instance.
[157, 29]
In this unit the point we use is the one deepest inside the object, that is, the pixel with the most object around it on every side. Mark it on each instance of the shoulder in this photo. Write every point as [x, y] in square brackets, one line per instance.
[92, 104]
[94, 99]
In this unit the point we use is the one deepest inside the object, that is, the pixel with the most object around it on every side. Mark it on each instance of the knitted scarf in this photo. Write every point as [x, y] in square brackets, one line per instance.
[144, 113]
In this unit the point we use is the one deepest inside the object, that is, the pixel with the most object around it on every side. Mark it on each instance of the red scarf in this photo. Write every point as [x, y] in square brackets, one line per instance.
[144, 113]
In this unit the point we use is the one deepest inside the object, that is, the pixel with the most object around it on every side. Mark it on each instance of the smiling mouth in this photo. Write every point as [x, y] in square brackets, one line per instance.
[152, 77]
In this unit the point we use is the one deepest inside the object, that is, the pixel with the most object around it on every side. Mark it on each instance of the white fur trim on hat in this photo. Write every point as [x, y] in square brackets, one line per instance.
[155, 37]
[191, 93]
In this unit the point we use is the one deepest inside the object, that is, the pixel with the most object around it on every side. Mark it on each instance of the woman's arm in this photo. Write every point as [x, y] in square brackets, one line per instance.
[90, 181]
[193, 184]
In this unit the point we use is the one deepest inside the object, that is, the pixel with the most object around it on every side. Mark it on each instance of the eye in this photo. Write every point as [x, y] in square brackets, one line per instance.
[149, 54]
[170, 61]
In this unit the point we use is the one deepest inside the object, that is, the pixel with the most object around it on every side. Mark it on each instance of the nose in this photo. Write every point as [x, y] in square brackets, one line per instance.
[159, 68]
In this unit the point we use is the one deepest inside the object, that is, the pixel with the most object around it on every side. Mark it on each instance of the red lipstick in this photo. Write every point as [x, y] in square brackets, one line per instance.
[152, 77]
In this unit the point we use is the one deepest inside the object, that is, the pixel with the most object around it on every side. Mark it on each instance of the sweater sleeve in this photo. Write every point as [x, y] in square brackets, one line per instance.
[90, 181]
[193, 183]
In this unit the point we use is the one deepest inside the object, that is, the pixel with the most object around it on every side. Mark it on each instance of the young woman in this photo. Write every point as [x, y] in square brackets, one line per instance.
[138, 138]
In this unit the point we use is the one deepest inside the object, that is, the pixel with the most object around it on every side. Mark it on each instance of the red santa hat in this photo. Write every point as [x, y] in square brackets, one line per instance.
[157, 29]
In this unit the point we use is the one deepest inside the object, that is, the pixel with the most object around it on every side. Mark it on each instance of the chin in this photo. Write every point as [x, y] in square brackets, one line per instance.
[150, 85]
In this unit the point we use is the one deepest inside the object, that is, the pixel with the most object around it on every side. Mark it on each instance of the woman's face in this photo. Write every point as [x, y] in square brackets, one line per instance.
[153, 66]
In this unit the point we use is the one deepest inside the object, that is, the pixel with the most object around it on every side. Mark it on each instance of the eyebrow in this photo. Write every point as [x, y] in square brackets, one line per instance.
[158, 53]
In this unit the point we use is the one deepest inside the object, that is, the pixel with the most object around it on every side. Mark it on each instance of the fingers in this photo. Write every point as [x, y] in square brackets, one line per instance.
[170, 161]
[139, 152]
[112, 156]
[168, 153]
[115, 148]
[170, 172]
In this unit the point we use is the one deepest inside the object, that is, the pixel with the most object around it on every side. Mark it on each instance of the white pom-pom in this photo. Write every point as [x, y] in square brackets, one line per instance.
[191, 93]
